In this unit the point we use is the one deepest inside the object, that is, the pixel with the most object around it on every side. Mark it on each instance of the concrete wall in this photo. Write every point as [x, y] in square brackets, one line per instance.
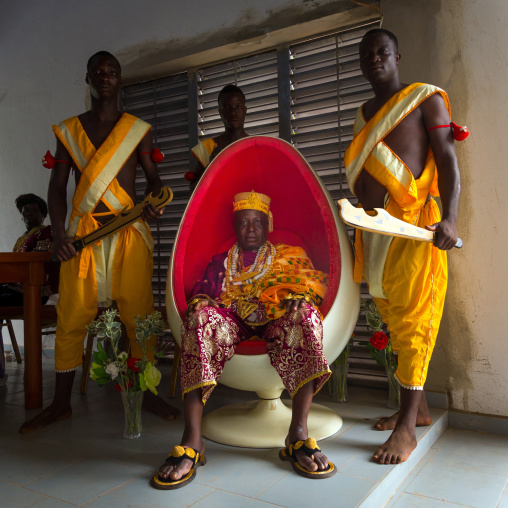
[461, 47]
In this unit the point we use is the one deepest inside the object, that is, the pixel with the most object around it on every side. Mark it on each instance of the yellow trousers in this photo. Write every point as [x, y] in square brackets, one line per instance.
[121, 270]
[414, 279]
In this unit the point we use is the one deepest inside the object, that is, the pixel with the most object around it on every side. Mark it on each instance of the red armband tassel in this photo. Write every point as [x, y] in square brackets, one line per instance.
[459, 132]
[48, 161]
[156, 155]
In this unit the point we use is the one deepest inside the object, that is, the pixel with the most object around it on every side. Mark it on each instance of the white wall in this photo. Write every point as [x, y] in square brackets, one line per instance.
[461, 46]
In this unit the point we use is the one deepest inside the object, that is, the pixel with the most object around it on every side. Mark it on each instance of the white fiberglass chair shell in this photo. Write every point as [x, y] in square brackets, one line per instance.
[304, 215]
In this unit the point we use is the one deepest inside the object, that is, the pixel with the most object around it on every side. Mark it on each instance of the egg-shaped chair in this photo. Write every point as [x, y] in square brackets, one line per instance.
[304, 215]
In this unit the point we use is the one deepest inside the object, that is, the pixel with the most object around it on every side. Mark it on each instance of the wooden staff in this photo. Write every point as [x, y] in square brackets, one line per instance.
[123, 220]
[383, 223]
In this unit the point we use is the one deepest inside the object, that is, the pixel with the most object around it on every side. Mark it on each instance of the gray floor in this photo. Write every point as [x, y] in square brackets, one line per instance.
[84, 461]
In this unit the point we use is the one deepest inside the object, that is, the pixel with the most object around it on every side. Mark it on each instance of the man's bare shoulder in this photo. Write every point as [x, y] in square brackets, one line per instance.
[435, 104]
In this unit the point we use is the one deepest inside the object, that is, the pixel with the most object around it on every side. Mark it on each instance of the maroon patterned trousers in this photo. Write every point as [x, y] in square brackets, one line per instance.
[294, 346]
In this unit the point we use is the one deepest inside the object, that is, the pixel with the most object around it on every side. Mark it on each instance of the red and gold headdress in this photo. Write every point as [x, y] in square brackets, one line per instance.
[254, 201]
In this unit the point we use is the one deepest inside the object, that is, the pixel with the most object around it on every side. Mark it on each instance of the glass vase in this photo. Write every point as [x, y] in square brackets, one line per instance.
[339, 381]
[132, 402]
[393, 390]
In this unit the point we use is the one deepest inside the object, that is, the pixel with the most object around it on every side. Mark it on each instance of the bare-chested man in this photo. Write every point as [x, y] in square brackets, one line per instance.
[103, 146]
[232, 110]
[397, 160]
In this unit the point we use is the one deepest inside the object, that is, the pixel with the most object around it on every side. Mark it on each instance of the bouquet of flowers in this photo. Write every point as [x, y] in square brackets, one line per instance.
[133, 376]
[381, 349]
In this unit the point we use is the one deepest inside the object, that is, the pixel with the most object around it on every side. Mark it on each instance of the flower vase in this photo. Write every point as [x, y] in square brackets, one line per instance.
[132, 402]
[393, 390]
[339, 381]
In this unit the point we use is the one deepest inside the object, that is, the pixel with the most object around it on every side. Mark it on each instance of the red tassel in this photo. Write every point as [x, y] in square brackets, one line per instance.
[156, 155]
[190, 176]
[48, 161]
[459, 133]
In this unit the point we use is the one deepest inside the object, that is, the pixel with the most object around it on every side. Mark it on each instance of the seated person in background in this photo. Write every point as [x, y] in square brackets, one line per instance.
[255, 289]
[232, 110]
[37, 237]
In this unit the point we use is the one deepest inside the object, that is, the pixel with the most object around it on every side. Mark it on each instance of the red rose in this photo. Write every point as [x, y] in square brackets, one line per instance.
[131, 364]
[379, 340]
[119, 388]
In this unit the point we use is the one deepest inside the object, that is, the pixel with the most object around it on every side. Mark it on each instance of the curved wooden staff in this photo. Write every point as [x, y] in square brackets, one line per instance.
[383, 223]
[124, 219]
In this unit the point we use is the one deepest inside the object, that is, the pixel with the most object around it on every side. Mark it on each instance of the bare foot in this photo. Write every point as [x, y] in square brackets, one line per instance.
[316, 461]
[155, 404]
[389, 422]
[397, 448]
[175, 472]
[49, 415]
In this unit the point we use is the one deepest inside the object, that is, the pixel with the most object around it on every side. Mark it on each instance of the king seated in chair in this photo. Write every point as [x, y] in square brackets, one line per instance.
[255, 289]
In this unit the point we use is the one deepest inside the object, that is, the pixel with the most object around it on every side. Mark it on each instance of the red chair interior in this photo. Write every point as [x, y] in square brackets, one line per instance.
[301, 213]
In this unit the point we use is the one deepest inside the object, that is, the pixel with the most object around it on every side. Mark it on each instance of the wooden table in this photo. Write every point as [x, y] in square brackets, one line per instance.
[28, 268]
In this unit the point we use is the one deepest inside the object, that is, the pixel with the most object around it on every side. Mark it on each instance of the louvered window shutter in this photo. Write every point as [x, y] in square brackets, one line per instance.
[306, 93]
[164, 103]
[326, 89]
[257, 77]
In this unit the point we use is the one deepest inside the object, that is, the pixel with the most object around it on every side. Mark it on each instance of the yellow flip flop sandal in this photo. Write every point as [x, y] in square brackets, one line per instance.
[177, 455]
[309, 447]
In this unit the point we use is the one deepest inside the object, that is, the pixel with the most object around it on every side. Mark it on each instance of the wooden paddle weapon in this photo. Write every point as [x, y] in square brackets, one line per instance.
[123, 220]
[383, 223]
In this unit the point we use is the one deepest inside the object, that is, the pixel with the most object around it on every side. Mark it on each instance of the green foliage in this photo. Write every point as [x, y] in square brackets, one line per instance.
[384, 357]
[372, 314]
[113, 365]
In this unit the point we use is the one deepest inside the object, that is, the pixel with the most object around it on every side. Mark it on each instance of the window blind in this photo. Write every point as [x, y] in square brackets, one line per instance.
[326, 89]
[307, 93]
[257, 77]
[164, 103]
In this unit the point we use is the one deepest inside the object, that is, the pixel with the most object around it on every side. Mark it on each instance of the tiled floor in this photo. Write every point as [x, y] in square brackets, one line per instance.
[84, 461]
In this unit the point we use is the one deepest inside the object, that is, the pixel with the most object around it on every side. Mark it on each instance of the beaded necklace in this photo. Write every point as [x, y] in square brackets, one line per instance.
[236, 275]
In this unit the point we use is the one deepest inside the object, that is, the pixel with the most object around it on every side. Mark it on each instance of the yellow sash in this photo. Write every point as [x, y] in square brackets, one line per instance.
[368, 152]
[203, 150]
[99, 168]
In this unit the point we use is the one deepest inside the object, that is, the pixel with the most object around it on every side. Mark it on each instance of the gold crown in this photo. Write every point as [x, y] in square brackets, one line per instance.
[254, 201]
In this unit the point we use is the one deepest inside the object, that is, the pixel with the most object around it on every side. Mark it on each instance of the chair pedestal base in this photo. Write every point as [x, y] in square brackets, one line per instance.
[264, 423]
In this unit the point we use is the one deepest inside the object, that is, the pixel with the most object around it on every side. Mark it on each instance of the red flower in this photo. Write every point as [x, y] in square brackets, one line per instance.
[379, 340]
[119, 388]
[131, 364]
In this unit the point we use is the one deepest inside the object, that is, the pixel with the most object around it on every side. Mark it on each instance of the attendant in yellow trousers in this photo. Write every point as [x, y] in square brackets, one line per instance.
[399, 159]
[103, 146]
